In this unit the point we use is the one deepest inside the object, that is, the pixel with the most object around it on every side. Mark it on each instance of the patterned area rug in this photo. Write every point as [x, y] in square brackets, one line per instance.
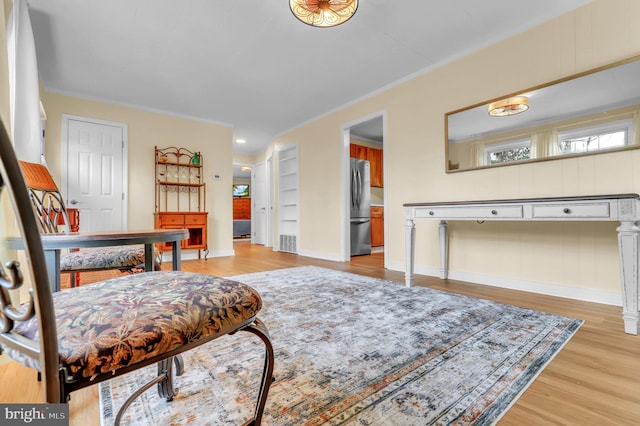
[353, 350]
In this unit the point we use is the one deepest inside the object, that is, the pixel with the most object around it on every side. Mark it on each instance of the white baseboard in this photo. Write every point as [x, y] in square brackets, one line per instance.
[220, 253]
[193, 255]
[323, 256]
[568, 292]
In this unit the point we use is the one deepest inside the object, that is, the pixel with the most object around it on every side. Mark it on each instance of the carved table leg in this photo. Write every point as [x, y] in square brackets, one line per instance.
[409, 250]
[629, 245]
[443, 231]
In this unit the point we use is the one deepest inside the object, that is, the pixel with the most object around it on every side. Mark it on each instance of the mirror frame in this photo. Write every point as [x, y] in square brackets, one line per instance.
[447, 162]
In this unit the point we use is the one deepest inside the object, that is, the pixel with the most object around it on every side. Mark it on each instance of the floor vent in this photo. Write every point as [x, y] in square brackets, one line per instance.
[288, 243]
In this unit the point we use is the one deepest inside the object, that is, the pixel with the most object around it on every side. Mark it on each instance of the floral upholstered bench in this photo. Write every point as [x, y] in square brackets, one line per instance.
[124, 258]
[111, 327]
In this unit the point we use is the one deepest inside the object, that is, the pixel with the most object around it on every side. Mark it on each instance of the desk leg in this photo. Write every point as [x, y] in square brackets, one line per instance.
[175, 255]
[629, 246]
[148, 257]
[443, 232]
[409, 250]
[52, 257]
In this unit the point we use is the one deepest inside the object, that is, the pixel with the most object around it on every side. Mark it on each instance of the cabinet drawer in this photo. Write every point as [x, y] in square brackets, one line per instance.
[582, 210]
[195, 219]
[471, 212]
[171, 219]
[377, 211]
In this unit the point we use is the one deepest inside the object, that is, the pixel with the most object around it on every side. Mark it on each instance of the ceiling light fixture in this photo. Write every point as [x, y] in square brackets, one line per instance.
[323, 13]
[510, 106]
[240, 141]
[245, 168]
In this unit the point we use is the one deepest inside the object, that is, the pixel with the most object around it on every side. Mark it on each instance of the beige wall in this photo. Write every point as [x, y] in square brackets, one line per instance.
[579, 260]
[146, 130]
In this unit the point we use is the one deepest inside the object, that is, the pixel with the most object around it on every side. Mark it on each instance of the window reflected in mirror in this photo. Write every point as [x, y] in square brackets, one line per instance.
[592, 112]
[508, 152]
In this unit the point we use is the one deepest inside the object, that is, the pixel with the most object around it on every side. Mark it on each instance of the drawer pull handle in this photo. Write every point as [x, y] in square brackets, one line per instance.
[431, 213]
[494, 212]
[567, 210]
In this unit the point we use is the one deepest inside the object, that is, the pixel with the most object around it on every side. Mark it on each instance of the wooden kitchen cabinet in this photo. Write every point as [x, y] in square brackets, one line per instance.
[358, 151]
[375, 160]
[377, 226]
[374, 156]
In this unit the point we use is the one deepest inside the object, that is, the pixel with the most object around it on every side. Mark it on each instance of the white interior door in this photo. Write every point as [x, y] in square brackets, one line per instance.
[96, 173]
[269, 204]
[258, 199]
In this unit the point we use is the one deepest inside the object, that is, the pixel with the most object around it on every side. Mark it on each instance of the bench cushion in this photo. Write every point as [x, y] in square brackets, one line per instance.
[112, 324]
[117, 257]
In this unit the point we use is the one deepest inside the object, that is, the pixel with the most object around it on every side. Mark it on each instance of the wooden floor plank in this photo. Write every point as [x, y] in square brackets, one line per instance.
[594, 380]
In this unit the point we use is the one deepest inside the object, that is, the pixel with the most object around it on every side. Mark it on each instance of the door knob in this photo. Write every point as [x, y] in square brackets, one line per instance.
[74, 202]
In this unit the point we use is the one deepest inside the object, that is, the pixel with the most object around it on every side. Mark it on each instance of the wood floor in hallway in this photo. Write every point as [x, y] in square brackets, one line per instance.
[594, 380]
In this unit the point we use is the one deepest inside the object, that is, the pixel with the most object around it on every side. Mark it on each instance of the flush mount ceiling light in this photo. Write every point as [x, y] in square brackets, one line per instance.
[245, 168]
[510, 106]
[323, 13]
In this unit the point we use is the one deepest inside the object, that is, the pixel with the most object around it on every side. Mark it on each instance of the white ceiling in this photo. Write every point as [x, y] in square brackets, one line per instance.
[250, 64]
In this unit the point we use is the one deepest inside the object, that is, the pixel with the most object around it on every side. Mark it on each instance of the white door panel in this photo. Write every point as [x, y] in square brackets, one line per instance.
[95, 174]
[258, 199]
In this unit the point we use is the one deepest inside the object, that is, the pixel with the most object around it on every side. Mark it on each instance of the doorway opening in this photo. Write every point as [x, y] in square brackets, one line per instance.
[241, 193]
[364, 200]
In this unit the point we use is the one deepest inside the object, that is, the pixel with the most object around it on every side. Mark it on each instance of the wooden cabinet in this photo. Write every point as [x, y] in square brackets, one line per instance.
[377, 226]
[181, 196]
[358, 151]
[374, 156]
[194, 222]
[375, 160]
[241, 208]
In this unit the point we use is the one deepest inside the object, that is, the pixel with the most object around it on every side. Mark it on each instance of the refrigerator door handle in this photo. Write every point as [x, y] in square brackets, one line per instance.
[353, 188]
[358, 188]
[360, 220]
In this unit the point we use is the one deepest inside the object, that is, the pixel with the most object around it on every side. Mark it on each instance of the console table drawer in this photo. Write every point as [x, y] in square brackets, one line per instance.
[471, 212]
[583, 211]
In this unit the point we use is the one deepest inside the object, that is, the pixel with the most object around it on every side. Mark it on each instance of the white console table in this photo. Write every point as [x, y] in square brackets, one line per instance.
[624, 208]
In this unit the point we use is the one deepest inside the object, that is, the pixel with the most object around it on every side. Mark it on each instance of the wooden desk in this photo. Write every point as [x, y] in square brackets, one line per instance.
[54, 243]
[624, 208]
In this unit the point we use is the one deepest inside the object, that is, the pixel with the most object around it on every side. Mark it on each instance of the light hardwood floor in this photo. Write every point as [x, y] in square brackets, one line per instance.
[594, 380]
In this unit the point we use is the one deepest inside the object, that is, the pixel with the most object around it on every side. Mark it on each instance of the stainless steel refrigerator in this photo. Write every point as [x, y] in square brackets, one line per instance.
[360, 207]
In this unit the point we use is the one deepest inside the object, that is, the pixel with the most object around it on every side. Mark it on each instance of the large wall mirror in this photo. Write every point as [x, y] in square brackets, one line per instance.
[589, 113]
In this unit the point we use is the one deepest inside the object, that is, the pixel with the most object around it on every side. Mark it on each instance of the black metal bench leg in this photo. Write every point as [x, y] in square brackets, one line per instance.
[164, 380]
[179, 364]
[165, 387]
[259, 329]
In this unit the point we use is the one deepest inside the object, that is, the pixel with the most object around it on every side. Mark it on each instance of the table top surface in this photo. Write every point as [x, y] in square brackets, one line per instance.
[527, 200]
[104, 239]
